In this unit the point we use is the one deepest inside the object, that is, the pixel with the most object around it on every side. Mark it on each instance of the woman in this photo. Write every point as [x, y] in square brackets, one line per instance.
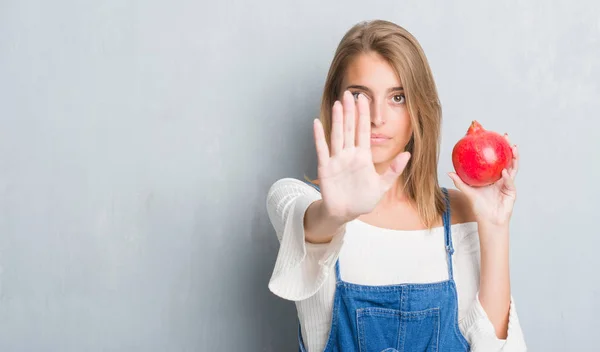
[376, 255]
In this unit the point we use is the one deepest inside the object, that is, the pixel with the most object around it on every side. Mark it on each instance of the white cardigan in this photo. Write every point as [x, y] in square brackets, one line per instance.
[305, 272]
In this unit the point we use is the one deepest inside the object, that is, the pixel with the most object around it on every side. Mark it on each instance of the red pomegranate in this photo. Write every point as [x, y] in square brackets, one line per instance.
[480, 156]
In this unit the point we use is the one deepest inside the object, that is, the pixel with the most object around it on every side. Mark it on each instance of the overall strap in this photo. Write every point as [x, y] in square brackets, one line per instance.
[315, 186]
[448, 233]
[338, 277]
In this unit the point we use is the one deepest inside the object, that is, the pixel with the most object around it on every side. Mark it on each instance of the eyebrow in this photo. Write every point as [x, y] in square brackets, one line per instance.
[357, 86]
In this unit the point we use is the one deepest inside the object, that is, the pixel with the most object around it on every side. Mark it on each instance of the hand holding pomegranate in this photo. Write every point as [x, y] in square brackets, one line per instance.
[350, 185]
[486, 165]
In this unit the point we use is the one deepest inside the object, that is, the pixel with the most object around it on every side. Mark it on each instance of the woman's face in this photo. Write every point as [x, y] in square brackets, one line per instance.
[371, 75]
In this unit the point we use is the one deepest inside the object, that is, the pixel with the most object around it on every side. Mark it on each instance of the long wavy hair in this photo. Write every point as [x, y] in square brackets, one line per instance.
[404, 53]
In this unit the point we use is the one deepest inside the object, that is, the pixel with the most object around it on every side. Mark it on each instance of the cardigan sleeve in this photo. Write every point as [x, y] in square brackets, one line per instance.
[474, 323]
[301, 268]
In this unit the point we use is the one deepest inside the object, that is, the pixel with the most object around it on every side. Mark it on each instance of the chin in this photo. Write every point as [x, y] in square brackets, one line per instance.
[379, 157]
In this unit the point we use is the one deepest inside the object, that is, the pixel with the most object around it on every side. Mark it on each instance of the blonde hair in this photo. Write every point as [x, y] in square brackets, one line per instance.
[403, 52]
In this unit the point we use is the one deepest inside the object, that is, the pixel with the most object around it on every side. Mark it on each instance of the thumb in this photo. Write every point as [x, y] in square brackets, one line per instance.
[395, 169]
[460, 185]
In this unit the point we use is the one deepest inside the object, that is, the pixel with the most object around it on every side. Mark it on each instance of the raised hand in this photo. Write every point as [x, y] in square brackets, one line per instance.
[350, 185]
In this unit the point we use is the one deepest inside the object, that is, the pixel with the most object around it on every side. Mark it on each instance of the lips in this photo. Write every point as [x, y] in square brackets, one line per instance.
[377, 138]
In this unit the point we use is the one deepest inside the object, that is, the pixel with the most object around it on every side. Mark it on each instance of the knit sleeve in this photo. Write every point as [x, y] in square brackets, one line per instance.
[301, 268]
[479, 331]
[474, 323]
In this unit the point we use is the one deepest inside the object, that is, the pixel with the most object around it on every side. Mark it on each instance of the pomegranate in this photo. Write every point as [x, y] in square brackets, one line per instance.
[480, 156]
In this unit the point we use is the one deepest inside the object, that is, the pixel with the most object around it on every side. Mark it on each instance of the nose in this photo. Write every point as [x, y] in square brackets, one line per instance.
[377, 118]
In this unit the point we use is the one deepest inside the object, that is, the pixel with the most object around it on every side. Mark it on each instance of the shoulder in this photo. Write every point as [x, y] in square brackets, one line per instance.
[461, 210]
[289, 187]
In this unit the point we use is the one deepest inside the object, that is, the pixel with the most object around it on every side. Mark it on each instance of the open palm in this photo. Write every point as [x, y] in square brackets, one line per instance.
[350, 185]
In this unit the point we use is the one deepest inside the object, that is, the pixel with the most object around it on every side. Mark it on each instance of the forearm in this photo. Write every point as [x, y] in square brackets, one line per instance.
[319, 226]
[494, 289]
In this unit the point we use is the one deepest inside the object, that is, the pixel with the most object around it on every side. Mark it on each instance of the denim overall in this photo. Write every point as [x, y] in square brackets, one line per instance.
[402, 317]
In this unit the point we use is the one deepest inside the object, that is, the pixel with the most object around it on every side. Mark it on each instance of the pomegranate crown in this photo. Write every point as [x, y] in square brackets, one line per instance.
[475, 127]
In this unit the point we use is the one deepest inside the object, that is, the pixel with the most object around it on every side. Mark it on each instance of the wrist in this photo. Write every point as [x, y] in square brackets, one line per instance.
[337, 219]
[493, 234]
[493, 226]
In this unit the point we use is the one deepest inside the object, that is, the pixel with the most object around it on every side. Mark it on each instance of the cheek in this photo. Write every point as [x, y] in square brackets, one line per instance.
[401, 126]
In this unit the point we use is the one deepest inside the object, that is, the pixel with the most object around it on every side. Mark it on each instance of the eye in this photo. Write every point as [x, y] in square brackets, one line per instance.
[399, 99]
[355, 95]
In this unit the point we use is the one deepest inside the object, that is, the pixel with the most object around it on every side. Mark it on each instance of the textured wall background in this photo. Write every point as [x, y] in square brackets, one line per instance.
[138, 140]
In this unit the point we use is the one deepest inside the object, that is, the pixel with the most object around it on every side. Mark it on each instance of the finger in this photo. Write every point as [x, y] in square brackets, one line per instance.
[320, 143]
[459, 184]
[515, 163]
[337, 125]
[509, 184]
[364, 122]
[396, 167]
[512, 170]
[349, 120]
